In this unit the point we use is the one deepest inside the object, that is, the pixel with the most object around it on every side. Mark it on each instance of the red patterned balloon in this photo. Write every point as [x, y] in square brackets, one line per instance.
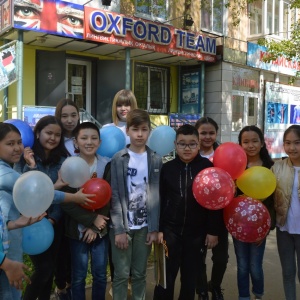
[247, 219]
[213, 188]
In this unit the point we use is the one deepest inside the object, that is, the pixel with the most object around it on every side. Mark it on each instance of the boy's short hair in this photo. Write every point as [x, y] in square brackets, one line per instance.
[187, 129]
[86, 125]
[136, 117]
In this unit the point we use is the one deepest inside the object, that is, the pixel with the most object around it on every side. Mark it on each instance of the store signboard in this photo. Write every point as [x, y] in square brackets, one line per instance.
[32, 114]
[282, 109]
[6, 12]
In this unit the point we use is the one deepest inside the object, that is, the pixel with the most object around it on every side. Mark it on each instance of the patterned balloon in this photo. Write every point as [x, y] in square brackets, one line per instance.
[247, 219]
[213, 188]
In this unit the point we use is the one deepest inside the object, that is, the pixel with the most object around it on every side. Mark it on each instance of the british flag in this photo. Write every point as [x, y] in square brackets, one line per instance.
[50, 16]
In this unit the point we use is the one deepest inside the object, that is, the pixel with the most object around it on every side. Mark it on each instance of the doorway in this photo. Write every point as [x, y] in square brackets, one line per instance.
[78, 83]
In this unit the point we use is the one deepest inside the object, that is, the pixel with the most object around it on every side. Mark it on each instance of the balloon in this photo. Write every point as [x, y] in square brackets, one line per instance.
[25, 130]
[161, 140]
[247, 219]
[33, 193]
[257, 182]
[213, 188]
[232, 158]
[112, 140]
[101, 189]
[75, 171]
[38, 237]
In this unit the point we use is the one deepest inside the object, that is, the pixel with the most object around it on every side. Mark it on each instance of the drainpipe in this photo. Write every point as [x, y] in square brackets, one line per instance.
[202, 80]
[5, 96]
[127, 69]
[20, 75]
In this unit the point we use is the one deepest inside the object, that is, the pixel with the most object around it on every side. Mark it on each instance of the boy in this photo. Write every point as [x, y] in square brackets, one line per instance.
[135, 173]
[186, 226]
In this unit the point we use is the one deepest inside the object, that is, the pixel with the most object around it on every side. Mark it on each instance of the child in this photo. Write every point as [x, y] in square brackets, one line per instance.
[68, 113]
[47, 156]
[287, 206]
[208, 130]
[186, 226]
[249, 256]
[11, 149]
[85, 228]
[123, 102]
[134, 210]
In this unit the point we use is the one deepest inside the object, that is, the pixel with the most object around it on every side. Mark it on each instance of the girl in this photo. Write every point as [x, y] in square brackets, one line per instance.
[68, 113]
[47, 155]
[87, 229]
[208, 130]
[287, 208]
[249, 256]
[11, 148]
[124, 101]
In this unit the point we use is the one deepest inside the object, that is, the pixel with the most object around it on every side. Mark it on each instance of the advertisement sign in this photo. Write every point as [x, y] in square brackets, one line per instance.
[5, 15]
[32, 114]
[8, 66]
[282, 109]
[112, 28]
[190, 92]
[281, 65]
[49, 16]
[178, 119]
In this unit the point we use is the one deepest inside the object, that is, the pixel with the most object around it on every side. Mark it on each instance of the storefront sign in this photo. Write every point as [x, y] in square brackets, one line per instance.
[281, 65]
[5, 15]
[282, 109]
[112, 28]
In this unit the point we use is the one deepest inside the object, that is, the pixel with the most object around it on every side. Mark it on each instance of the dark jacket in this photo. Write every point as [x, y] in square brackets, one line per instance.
[179, 209]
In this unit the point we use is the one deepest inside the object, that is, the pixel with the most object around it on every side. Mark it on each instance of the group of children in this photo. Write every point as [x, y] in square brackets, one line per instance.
[151, 203]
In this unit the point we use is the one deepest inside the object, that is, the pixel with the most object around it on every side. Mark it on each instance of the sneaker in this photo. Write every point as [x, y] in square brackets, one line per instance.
[217, 294]
[203, 296]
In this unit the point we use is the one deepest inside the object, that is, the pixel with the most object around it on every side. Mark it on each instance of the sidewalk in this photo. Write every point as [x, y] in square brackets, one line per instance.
[272, 270]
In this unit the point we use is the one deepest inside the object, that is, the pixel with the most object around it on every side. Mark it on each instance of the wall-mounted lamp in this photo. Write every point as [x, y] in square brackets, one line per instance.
[106, 2]
[188, 21]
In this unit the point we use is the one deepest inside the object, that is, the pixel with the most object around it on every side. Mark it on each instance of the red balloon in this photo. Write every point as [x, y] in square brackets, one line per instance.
[232, 158]
[213, 188]
[247, 219]
[101, 189]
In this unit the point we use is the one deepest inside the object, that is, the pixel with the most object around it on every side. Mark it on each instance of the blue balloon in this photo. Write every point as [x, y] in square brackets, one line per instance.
[112, 140]
[38, 237]
[161, 139]
[25, 130]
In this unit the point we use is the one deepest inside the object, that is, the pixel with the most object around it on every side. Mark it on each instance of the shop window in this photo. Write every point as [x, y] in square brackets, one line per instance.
[212, 15]
[153, 9]
[150, 88]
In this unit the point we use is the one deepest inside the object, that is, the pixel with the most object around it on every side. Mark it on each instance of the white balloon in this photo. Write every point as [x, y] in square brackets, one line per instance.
[33, 193]
[75, 171]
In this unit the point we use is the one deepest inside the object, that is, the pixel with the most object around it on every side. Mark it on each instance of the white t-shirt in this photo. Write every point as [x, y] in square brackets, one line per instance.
[122, 126]
[292, 224]
[208, 155]
[137, 178]
[69, 144]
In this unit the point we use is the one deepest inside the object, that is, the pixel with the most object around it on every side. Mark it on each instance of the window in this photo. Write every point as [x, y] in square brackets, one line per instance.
[212, 15]
[150, 88]
[270, 17]
[237, 112]
[256, 18]
[154, 9]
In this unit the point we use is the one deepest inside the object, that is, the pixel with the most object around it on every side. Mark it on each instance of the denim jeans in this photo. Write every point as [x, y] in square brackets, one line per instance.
[289, 248]
[7, 291]
[80, 257]
[249, 259]
[133, 259]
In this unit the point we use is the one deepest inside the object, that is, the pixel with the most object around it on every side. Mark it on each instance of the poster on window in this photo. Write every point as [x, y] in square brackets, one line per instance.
[190, 92]
[282, 109]
[32, 114]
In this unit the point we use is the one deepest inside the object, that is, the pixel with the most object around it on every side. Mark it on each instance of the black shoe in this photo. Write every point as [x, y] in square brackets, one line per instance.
[203, 296]
[217, 294]
[62, 296]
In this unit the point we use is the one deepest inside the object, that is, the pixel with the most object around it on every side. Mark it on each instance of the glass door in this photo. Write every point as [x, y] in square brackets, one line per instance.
[78, 83]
